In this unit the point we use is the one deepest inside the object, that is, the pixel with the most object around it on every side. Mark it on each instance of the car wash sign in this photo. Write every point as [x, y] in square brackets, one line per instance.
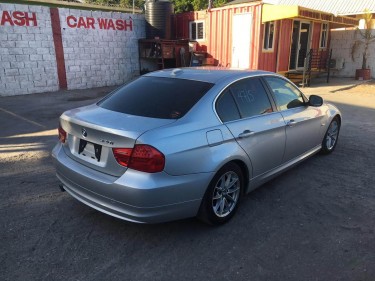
[99, 23]
[17, 18]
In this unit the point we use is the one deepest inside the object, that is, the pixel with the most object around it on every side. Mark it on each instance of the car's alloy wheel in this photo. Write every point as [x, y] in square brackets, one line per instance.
[331, 136]
[222, 196]
[226, 194]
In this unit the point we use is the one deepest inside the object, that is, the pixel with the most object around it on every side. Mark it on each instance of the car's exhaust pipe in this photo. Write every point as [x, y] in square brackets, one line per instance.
[61, 187]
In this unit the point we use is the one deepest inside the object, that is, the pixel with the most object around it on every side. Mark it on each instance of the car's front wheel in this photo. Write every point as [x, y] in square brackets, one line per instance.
[222, 196]
[331, 137]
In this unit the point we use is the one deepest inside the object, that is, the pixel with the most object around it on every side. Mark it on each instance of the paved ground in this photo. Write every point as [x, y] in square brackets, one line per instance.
[315, 222]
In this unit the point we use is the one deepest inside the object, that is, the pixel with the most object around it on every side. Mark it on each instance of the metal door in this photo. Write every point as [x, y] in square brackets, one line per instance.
[303, 43]
[303, 122]
[303, 125]
[300, 44]
[241, 34]
[260, 131]
[263, 139]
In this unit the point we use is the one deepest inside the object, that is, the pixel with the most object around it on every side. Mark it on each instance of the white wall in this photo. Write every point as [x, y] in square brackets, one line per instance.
[27, 54]
[341, 43]
[95, 56]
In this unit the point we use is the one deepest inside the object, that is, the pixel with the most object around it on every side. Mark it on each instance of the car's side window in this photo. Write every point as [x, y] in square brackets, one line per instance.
[226, 107]
[286, 95]
[251, 97]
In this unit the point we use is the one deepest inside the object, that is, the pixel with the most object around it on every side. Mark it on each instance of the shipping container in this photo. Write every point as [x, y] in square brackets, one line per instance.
[255, 35]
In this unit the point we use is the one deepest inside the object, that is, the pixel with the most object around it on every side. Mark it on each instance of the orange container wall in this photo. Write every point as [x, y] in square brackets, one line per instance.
[268, 59]
[315, 40]
[285, 39]
[218, 36]
[181, 23]
[218, 31]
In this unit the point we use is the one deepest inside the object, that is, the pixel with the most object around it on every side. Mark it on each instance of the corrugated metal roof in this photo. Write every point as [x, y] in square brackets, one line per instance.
[337, 7]
[235, 2]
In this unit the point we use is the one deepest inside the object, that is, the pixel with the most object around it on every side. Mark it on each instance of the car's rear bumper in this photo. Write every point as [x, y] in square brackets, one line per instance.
[135, 196]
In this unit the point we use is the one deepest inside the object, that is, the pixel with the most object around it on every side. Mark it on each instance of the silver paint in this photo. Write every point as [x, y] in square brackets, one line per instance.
[195, 146]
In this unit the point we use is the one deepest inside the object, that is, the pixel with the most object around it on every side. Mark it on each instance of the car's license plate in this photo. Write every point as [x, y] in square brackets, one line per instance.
[90, 149]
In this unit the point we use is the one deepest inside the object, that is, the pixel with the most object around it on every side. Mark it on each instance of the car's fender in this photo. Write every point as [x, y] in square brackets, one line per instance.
[200, 154]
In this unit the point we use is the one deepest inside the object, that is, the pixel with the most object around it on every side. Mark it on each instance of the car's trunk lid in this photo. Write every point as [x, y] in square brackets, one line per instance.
[92, 132]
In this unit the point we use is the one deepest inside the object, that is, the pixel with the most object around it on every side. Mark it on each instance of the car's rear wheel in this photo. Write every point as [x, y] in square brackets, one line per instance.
[331, 137]
[222, 196]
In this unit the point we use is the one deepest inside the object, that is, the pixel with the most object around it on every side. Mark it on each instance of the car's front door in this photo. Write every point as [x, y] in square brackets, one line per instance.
[303, 122]
[245, 108]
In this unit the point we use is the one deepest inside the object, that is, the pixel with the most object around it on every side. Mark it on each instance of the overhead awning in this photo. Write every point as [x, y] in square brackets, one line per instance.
[279, 12]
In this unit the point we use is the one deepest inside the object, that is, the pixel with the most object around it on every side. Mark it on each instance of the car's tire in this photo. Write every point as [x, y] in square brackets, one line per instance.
[222, 196]
[331, 136]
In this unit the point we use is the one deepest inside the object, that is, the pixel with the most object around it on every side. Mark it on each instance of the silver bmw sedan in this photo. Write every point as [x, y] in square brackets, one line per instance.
[189, 142]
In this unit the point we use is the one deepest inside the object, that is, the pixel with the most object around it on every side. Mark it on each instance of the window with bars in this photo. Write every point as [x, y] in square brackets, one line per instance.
[323, 35]
[269, 31]
[196, 30]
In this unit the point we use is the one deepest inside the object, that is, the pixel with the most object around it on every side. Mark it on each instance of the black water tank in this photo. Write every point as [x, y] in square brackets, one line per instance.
[158, 19]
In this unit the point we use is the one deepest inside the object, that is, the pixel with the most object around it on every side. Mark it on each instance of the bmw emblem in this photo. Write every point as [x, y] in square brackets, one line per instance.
[84, 133]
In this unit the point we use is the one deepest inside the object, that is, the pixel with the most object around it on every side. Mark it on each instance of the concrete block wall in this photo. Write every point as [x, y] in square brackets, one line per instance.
[342, 43]
[27, 55]
[80, 54]
[97, 56]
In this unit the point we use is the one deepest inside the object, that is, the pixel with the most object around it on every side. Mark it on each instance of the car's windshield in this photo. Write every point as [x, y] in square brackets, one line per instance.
[156, 97]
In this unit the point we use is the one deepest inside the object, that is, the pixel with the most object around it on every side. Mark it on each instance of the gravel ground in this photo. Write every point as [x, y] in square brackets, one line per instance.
[314, 222]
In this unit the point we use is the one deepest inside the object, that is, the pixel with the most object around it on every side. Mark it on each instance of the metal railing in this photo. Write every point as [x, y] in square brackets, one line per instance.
[316, 61]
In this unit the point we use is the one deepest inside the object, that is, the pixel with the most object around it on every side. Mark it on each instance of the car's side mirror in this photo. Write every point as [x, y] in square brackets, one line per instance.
[315, 100]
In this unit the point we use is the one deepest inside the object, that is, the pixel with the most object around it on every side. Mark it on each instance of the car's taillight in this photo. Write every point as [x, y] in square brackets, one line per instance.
[142, 157]
[122, 155]
[62, 134]
[147, 159]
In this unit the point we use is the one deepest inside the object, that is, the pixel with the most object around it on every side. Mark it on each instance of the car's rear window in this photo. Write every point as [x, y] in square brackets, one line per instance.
[156, 97]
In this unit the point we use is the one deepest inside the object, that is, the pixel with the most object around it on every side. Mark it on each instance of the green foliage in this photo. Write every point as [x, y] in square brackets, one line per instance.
[179, 5]
[129, 3]
[103, 2]
[183, 6]
[199, 4]
[118, 3]
[195, 5]
[220, 3]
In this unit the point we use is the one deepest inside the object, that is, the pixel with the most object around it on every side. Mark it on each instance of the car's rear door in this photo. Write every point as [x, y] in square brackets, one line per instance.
[245, 108]
[303, 122]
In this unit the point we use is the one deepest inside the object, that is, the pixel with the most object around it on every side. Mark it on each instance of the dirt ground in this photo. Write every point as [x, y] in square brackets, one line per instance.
[314, 222]
[367, 88]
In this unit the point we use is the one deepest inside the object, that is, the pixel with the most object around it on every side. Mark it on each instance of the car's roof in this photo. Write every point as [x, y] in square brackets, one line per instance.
[207, 74]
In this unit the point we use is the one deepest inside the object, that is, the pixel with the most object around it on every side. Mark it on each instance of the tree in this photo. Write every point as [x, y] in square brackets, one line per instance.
[366, 38]
[183, 6]
[179, 5]
[195, 5]
[103, 2]
[129, 4]
[118, 3]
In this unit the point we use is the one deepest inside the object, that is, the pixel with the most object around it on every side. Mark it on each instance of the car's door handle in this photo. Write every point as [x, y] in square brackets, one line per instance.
[291, 123]
[246, 133]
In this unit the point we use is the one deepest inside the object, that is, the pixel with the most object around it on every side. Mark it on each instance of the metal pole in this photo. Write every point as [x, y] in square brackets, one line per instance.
[304, 72]
[328, 66]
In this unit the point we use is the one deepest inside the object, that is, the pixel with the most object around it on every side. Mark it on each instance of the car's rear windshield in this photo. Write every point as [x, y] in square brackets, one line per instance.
[156, 97]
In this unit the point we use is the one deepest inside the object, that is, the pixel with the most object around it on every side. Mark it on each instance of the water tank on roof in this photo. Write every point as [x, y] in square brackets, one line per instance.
[158, 15]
